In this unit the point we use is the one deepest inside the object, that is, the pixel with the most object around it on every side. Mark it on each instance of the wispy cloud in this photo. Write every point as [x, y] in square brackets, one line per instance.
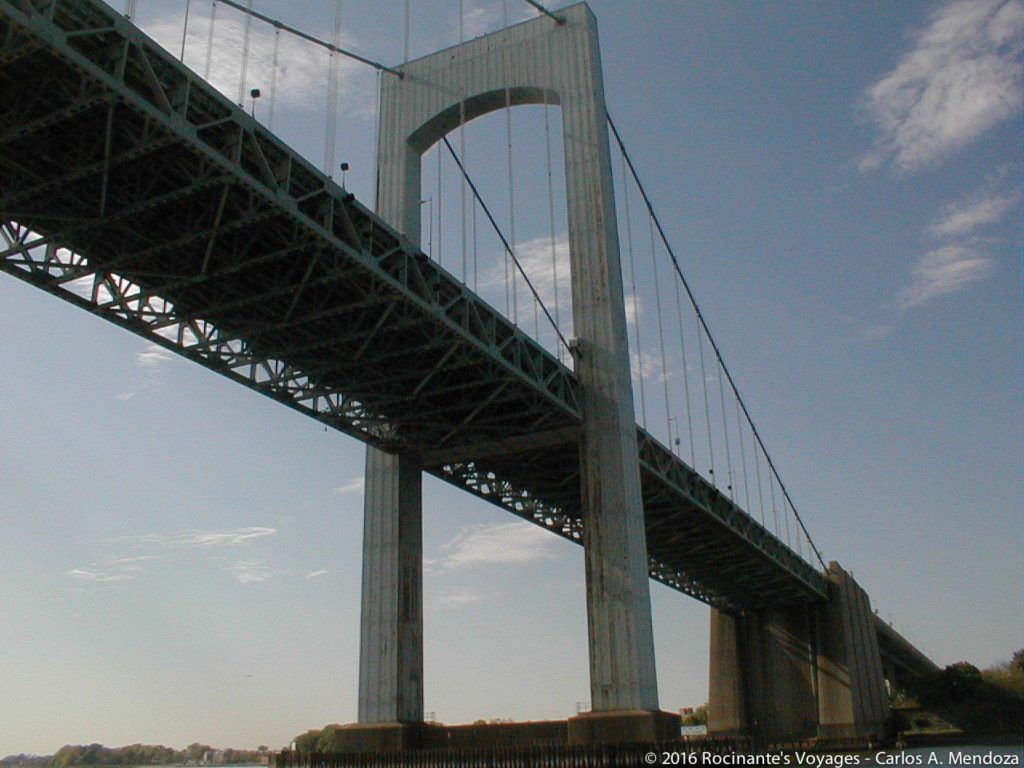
[963, 76]
[151, 361]
[87, 574]
[535, 256]
[200, 538]
[459, 597]
[110, 569]
[961, 260]
[315, 574]
[249, 571]
[965, 216]
[303, 67]
[513, 543]
[353, 487]
[153, 357]
[943, 270]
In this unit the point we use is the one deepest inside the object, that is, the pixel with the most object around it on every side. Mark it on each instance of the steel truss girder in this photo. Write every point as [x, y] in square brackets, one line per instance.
[255, 265]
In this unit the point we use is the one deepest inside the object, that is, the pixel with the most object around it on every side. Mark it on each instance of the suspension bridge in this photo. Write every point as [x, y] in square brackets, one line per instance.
[135, 190]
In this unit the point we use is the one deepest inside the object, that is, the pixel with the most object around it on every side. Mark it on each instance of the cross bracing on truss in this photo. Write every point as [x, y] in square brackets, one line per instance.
[134, 190]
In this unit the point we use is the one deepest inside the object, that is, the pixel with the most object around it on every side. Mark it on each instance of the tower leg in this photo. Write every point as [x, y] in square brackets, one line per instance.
[391, 633]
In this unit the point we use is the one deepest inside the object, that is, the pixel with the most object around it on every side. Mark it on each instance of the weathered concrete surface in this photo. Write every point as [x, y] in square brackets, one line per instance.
[391, 629]
[786, 703]
[762, 674]
[799, 671]
[853, 699]
[541, 61]
[727, 700]
[623, 727]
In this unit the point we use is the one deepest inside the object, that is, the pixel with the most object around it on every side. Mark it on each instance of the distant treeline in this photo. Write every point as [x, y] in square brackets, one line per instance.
[134, 754]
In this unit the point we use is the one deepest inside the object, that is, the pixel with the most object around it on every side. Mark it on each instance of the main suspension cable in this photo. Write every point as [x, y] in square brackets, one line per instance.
[310, 38]
[711, 341]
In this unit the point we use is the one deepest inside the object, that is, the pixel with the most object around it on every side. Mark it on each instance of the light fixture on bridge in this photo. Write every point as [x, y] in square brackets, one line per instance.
[344, 167]
[255, 94]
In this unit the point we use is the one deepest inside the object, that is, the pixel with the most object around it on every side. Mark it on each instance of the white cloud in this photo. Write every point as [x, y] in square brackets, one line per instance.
[965, 216]
[153, 357]
[315, 574]
[111, 569]
[648, 367]
[944, 270]
[634, 308]
[353, 487]
[198, 538]
[85, 574]
[513, 543]
[249, 571]
[963, 76]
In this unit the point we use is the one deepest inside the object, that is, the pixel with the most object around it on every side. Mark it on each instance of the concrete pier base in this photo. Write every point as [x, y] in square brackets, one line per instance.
[762, 674]
[623, 727]
[853, 699]
[799, 671]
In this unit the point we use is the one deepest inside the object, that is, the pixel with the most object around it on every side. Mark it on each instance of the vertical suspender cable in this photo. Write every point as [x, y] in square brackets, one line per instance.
[785, 517]
[661, 330]
[757, 469]
[551, 218]
[686, 373]
[743, 456]
[636, 299]
[184, 31]
[725, 431]
[439, 251]
[209, 41]
[333, 72]
[246, 36]
[775, 510]
[707, 410]
[273, 78]
[462, 146]
[376, 133]
[511, 179]
[406, 54]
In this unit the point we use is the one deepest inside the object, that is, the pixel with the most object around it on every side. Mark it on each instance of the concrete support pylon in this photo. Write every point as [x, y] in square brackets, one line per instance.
[854, 699]
[800, 670]
[543, 61]
[762, 673]
[391, 629]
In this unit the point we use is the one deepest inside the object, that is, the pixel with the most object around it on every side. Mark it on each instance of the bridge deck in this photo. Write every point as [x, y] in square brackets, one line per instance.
[133, 189]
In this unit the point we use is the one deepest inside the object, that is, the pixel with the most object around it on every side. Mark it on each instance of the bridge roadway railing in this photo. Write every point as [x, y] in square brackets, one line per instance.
[133, 189]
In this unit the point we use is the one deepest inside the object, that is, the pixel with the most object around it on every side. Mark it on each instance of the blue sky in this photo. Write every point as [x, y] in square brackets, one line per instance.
[842, 183]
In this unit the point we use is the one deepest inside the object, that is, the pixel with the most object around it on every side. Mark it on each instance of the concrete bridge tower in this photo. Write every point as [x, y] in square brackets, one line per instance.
[535, 62]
